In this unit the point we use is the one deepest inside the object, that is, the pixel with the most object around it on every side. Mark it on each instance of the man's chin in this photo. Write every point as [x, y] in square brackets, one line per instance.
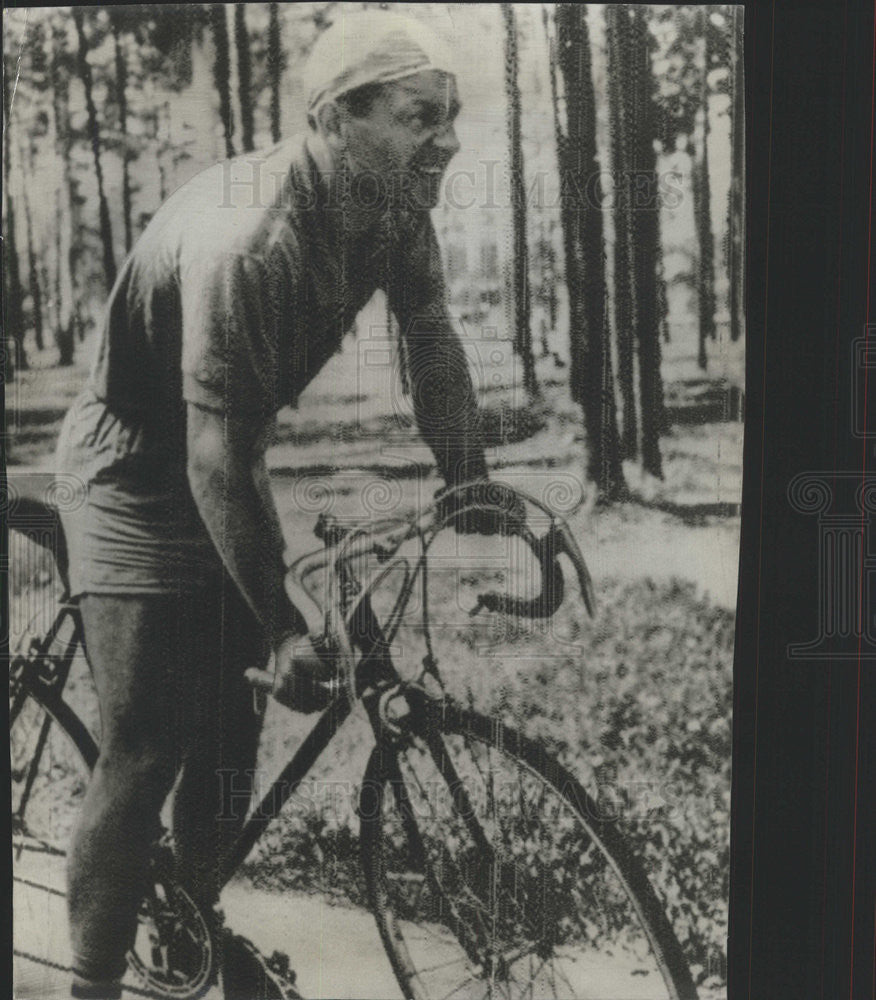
[425, 194]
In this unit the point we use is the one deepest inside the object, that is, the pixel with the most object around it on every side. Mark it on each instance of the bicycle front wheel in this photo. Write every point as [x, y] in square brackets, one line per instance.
[491, 873]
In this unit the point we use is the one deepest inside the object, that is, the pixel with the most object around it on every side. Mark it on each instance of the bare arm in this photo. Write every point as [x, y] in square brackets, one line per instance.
[240, 515]
[444, 400]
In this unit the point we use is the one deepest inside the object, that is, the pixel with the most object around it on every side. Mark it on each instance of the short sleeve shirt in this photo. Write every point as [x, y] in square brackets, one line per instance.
[237, 293]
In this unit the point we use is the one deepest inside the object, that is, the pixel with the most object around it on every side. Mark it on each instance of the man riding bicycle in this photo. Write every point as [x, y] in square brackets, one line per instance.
[237, 293]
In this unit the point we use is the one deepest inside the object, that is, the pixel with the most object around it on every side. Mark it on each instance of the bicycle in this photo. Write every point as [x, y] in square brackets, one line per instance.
[488, 867]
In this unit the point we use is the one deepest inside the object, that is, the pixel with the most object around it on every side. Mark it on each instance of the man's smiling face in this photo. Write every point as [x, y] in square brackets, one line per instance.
[400, 149]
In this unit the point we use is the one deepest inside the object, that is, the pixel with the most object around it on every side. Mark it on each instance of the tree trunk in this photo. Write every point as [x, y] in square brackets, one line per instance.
[50, 308]
[14, 319]
[67, 297]
[121, 89]
[736, 209]
[222, 73]
[591, 376]
[552, 278]
[646, 249]
[160, 147]
[33, 280]
[620, 86]
[663, 301]
[7, 343]
[244, 77]
[702, 208]
[13, 298]
[567, 222]
[275, 67]
[552, 61]
[65, 327]
[106, 231]
[520, 263]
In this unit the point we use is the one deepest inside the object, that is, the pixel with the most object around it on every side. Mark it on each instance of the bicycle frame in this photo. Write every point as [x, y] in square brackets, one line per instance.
[372, 644]
[355, 627]
[51, 684]
[361, 644]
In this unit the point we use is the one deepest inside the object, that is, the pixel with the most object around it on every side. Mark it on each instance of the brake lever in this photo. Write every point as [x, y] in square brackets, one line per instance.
[542, 605]
[558, 540]
[566, 543]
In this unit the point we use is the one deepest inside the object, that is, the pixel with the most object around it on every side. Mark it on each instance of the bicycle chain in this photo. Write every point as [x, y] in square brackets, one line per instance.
[60, 967]
[278, 968]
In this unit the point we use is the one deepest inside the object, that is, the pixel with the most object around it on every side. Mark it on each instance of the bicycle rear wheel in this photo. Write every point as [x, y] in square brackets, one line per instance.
[51, 754]
[491, 873]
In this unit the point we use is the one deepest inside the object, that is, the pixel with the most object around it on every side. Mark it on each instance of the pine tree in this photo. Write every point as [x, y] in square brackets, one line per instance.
[736, 207]
[222, 73]
[121, 82]
[275, 67]
[567, 226]
[13, 292]
[68, 224]
[33, 278]
[520, 263]
[106, 231]
[702, 192]
[244, 76]
[699, 44]
[31, 127]
[646, 247]
[591, 377]
[621, 127]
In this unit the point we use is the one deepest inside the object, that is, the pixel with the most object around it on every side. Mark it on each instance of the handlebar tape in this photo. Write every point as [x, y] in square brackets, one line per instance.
[544, 604]
[558, 539]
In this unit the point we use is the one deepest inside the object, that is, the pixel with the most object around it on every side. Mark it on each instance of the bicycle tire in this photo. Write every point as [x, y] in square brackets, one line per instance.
[52, 755]
[440, 906]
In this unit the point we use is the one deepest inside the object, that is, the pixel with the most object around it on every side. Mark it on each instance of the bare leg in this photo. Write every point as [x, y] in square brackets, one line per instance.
[212, 795]
[133, 662]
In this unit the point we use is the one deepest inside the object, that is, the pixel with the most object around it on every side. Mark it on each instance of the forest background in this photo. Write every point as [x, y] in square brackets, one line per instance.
[592, 234]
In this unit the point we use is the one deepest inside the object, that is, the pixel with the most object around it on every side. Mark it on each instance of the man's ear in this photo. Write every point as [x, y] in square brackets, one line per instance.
[330, 123]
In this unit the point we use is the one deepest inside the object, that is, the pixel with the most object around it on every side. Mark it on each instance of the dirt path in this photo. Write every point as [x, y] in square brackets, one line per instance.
[335, 950]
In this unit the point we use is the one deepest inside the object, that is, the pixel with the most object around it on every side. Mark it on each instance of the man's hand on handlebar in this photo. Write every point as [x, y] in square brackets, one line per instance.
[482, 508]
[303, 678]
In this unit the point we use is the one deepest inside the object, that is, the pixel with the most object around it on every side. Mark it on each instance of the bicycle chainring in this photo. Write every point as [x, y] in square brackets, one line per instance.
[174, 952]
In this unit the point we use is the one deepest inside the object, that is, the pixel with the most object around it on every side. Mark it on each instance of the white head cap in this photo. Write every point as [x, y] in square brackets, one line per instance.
[373, 46]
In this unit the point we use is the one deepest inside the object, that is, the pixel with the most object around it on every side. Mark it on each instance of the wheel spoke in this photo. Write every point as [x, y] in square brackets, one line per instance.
[462, 985]
[552, 980]
[442, 965]
[565, 979]
[519, 918]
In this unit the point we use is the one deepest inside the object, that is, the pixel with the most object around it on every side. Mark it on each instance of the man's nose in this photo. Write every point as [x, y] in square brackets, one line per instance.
[448, 141]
